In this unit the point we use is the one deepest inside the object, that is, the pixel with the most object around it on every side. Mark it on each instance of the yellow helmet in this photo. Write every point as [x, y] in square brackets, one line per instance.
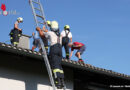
[48, 22]
[66, 27]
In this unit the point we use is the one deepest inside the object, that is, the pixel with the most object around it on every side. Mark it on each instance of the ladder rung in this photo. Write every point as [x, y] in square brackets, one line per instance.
[40, 22]
[35, 2]
[37, 9]
[40, 16]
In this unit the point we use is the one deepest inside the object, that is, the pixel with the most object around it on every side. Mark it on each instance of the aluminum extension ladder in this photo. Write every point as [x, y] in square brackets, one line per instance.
[40, 20]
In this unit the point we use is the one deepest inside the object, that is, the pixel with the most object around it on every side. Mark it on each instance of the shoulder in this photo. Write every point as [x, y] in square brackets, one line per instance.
[62, 31]
[49, 32]
[16, 22]
[70, 32]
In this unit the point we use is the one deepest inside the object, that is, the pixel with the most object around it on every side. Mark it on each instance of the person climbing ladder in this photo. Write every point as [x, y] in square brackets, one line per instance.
[55, 53]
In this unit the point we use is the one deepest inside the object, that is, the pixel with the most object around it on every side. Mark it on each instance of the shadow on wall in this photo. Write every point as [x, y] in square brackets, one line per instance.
[21, 73]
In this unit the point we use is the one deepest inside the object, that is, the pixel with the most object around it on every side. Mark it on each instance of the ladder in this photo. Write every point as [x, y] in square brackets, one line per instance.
[40, 20]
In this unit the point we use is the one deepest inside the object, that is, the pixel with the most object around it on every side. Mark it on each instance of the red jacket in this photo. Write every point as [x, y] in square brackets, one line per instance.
[76, 45]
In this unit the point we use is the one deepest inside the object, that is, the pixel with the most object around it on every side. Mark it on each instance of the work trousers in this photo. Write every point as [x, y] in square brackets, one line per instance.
[55, 58]
[14, 36]
[45, 41]
[65, 42]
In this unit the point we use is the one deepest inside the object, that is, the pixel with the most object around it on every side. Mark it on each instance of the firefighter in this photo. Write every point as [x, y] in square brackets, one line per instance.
[66, 38]
[78, 46]
[44, 39]
[48, 23]
[36, 42]
[55, 53]
[16, 32]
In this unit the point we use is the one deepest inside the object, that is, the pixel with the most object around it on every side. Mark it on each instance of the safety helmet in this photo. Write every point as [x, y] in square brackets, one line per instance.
[48, 22]
[20, 19]
[66, 27]
[54, 25]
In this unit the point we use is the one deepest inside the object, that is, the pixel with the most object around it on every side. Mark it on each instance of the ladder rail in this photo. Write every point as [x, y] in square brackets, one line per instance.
[47, 65]
[42, 12]
[35, 18]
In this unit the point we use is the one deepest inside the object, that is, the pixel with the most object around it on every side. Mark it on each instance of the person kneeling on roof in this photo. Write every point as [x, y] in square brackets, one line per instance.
[78, 46]
[16, 32]
[55, 53]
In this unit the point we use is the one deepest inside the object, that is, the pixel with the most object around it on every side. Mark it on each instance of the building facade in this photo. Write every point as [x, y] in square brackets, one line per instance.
[23, 69]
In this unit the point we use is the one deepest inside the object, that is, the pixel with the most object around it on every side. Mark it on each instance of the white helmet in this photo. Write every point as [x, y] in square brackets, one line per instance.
[20, 19]
[54, 25]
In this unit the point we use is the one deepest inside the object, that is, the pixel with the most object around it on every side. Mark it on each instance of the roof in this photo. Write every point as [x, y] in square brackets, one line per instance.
[69, 63]
[26, 35]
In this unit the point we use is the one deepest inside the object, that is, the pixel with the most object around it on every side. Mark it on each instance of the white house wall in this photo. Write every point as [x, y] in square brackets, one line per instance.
[27, 75]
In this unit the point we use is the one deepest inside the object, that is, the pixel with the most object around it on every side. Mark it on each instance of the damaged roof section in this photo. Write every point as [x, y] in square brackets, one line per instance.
[69, 63]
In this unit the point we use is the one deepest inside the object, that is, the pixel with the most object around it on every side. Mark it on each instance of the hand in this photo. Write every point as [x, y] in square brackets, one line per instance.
[38, 28]
[20, 29]
[33, 34]
[44, 28]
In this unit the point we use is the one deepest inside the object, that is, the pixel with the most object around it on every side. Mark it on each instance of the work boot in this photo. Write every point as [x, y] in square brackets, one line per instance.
[58, 83]
[67, 57]
[80, 61]
[15, 45]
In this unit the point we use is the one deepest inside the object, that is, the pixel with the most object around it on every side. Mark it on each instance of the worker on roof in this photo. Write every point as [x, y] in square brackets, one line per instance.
[55, 53]
[36, 42]
[48, 23]
[44, 39]
[16, 32]
[80, 47]
[66, 38]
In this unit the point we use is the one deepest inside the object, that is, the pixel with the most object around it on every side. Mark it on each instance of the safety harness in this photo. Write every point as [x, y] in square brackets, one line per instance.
[65, 40]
